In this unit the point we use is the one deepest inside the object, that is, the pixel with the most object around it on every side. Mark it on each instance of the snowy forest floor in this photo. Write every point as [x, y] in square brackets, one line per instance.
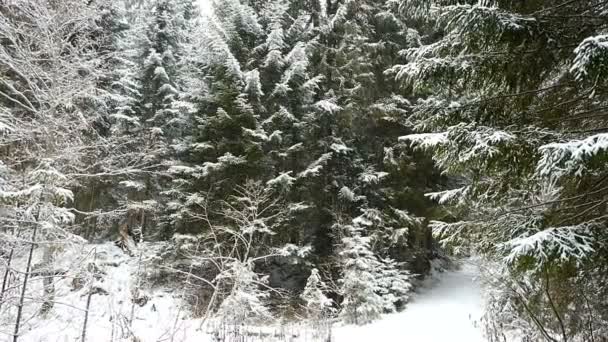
[449, 309]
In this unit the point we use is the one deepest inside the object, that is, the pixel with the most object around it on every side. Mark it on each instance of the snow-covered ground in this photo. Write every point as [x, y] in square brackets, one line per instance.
[447, 311]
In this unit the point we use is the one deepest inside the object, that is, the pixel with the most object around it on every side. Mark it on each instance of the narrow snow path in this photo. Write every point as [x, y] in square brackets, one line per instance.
[448, 311]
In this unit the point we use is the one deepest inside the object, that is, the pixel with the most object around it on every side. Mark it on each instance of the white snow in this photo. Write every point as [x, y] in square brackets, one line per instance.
[591, 50]
[559, 159]
[328, 106]
[315, 167]
[447, 196]
[446, 312]
[569, 243]
[425, 140]
[205, 6]
[340, 148]
[284, 179]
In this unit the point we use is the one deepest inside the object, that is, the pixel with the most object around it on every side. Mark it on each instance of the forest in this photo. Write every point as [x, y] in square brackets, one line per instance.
[184, 170]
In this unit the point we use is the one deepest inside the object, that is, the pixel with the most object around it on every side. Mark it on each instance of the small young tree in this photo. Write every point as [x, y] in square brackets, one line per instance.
[371, 285]
[245, 302]
[318, 305]
[319, 308]
[362, 300]
[395, 284]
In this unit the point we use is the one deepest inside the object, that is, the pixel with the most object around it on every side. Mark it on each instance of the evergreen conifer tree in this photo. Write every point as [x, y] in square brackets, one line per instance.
[510, 104]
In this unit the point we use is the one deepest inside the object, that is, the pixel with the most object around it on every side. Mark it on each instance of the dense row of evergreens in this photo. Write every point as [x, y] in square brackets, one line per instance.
[303, 145]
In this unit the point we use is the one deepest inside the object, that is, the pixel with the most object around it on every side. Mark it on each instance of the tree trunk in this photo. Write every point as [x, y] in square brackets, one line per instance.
[92, 221]
[6, 275]
[25, 279]
[89, 296]
[48, 280]
[136, 290]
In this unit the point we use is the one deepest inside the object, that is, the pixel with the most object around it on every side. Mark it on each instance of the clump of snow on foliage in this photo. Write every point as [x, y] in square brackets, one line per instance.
[564, 243]
[284, 180]
[447, 196]
[425, 140]
[571, 157]
[372, 177]
[222, 163]
[315, 167]
[591, 55]
[328, 106]
[340, 148]
[133, 185]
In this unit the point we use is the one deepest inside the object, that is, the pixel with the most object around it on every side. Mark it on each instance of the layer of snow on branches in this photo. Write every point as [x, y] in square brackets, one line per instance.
[297, 207]
[443, 197]
[591, 50]
[224, 161]
[181, 169]
[328, 106]
[564, 242]
[340, 148]
[133, 185]
[316, 167]
[425, 140]
[284, 179]
[559, 159]
[372, 177]
[258, 134]
[349, 195]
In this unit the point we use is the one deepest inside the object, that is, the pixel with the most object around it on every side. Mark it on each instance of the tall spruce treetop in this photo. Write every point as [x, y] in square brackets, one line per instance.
[164, 47]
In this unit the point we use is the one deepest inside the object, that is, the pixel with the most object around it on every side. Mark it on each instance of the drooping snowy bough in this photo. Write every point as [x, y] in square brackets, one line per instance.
[512, 109]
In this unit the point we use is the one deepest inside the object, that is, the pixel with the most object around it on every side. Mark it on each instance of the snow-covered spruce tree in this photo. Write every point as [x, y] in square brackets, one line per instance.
[318, 305]
[162, 50]
[512, 102]
[370, 285]
[246, 301]
[248, 120]
[145, 115]
[387, 233]
[216, 154]
[269, 112]
[164, 70]
[362, 300]
[116, 155]
[351, 130]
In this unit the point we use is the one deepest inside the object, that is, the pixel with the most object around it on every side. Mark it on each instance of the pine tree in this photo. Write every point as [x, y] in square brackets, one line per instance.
[148, 117]
[366, 274]
[362, 300]
[510, 106]
[318, 305]
[270, 113]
